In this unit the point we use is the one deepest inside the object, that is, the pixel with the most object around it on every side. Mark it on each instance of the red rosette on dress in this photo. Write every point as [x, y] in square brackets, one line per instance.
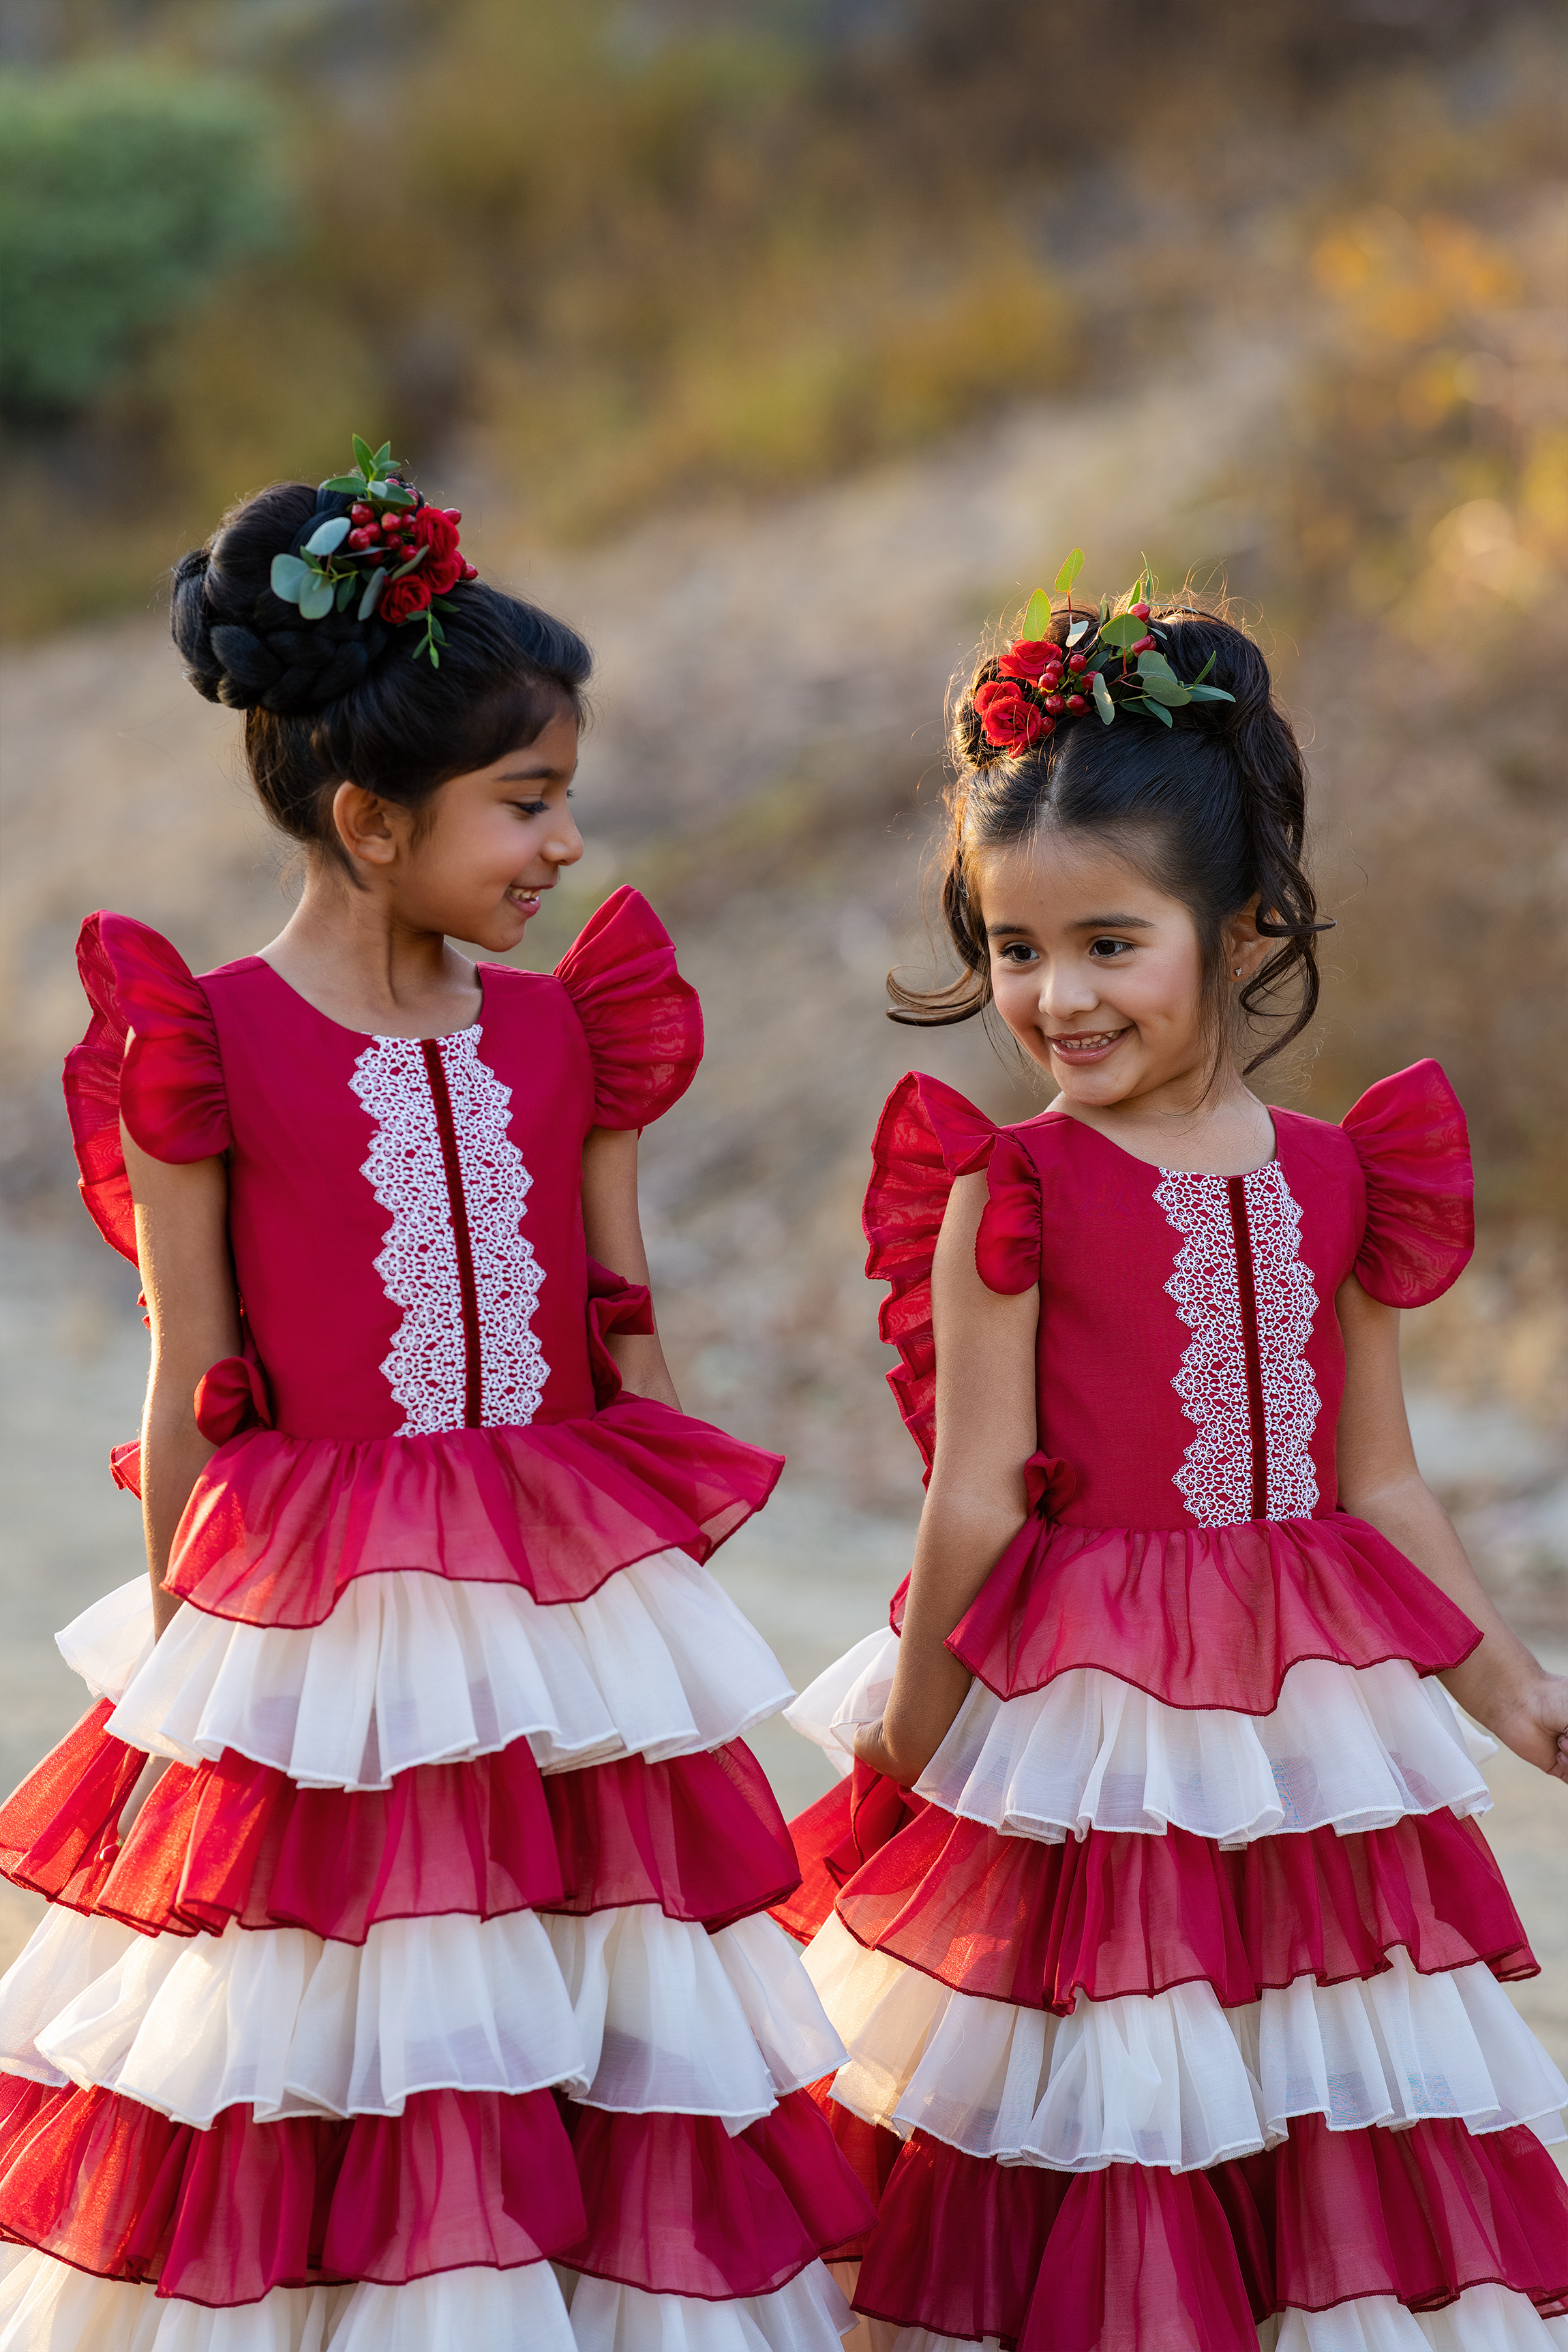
[1205, 1617]
[701, 1836]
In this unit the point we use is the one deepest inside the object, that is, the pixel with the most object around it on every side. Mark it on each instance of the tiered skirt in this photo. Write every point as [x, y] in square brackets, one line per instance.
[1174, 2006]
[431, 2002]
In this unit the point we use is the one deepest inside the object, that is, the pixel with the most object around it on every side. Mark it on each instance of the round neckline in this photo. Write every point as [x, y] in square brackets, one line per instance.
[1238, 1176]
[376, 1036]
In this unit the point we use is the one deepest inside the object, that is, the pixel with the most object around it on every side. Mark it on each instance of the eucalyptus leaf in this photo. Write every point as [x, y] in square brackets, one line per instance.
[1155, 711]
[1155, 665]
[372, 597]
[329, 537]
[1124, 631]
[289, 573]
[348, 485]
[316, 598]
[1168, 691]
[1102, 702]
[1069, 572]
[1078, 629]
[346, 587]
[1210, 694]
[365, 456]
[1036, 621]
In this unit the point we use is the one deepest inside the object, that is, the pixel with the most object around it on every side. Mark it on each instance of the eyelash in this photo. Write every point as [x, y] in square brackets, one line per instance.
[539, 808]
[1018, 952]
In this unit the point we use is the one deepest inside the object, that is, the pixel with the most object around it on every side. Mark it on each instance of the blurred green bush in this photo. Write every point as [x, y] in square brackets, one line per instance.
[124, 194]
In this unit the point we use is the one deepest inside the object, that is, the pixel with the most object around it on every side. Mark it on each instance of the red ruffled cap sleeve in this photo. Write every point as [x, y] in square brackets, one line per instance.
[151, 1056]
[1008, 1246]
[927, 1138]
[1414, 1147]
[643, 1022]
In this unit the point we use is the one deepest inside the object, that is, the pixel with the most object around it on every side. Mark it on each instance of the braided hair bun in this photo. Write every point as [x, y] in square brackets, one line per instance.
[243, 646]
[339, 699]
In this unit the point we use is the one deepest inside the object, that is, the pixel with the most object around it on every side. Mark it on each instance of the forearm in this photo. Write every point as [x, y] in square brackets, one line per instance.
[961, 1537]
[1492, 1679]
[639, 1360]
[173, 1454]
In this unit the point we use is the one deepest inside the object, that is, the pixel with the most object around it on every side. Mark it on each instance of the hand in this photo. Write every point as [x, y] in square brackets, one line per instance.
[1534, 1724]
[147, 1780]
[871, 1747]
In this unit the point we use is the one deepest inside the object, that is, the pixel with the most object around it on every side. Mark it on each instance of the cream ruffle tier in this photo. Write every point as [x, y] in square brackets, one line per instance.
[1482, 2319]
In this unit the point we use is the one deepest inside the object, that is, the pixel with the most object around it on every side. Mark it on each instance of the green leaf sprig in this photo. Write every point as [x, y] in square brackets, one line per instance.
[329, 575]
[1127, 670]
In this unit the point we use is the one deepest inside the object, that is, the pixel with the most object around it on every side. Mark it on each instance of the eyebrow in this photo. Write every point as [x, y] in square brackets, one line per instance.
[1084, 923]
[534, 775]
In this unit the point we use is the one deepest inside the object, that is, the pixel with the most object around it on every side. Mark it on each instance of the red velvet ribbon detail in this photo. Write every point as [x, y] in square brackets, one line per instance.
[615, 1305]
[1049, 1484]
[232, 1395]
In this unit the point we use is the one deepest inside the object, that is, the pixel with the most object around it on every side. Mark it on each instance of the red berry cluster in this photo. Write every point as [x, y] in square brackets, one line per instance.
[395, 530]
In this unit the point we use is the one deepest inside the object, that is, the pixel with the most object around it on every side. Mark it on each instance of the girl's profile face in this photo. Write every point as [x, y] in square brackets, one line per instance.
[1096, 971]
[475, 859]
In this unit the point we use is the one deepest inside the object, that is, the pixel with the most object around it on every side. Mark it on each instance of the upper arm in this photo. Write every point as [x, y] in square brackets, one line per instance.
[181, 1246]
[1373, 1444]
[612, 1226]
[986, 1422]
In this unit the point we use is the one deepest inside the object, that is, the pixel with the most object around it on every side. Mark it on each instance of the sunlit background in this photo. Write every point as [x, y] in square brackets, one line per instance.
[784, 347]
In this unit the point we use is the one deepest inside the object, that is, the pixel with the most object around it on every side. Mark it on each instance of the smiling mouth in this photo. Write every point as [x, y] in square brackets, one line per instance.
[1087, 1046]
[529, 898]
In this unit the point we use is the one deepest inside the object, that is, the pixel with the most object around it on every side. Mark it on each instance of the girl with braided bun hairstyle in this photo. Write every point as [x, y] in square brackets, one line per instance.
[1152, 1905]
[408, 1983]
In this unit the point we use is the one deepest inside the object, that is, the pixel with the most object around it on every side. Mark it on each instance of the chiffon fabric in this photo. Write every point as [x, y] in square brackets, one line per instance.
[1173, 1991]
[431, 2001]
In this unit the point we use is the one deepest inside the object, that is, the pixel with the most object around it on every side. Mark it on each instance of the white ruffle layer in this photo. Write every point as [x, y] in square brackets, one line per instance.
[1350, 1749]
[45, 2307]
[626, 2009]
[414, 1669]
[1484, 2319]
[808, 2314]
[1173, 2079]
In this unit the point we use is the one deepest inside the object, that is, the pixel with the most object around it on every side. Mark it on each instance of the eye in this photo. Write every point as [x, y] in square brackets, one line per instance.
[1108, 950]
[531, 808]
[1016, 951]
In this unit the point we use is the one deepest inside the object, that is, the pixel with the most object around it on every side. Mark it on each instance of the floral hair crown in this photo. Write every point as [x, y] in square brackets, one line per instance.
[1041, 681]
[392, 554]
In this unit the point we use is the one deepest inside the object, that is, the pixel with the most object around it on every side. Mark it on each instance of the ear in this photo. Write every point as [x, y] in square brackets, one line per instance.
[372, 830]
[1245, 946]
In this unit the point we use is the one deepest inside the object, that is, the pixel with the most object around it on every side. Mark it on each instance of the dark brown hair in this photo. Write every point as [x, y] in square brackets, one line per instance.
[1211, 811]
[339, 699]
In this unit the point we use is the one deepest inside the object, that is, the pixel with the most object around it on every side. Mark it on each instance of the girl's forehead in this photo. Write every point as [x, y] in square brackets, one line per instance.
[1055, 877]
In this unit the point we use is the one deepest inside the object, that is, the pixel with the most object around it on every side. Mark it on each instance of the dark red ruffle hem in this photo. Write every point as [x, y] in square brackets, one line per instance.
[1205, 1617]
[219, 2216]
[277, 1526]
[677, 2207]
[699, 1835]
[1013, 1919]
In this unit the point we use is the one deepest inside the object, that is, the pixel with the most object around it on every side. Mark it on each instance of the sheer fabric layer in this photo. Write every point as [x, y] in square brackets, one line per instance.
[701, 1837]
[411, 1670]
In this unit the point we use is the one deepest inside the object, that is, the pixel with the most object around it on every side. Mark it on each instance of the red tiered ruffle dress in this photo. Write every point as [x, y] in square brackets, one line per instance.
[1172, 1991]
[433, 1990]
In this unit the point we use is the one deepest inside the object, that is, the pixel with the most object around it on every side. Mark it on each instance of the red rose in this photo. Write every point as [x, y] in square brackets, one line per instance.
[404, 598]
[437, 528]
[1030, 658]
[1010, 719]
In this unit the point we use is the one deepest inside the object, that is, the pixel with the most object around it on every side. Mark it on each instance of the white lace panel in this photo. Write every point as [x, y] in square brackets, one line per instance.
[1216, 1474]
[419, 1263]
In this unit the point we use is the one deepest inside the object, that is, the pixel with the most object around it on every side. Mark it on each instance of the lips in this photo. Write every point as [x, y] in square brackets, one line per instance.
[1087, 1045]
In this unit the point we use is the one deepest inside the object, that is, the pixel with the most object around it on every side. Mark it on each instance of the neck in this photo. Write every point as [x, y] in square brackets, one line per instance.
[1220, 1129]
[351, 952]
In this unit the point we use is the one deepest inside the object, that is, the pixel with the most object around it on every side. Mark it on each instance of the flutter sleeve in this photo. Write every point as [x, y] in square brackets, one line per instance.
[642, 1021]
[1411, 1139]
[149, 1056]
[927, 1136]
[1008, 1246]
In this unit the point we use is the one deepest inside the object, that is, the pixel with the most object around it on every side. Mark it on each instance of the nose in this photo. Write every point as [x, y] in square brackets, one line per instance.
[565, 846]
[1066, 987]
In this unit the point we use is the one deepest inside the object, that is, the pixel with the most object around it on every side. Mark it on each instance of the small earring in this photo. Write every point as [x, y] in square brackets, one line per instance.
[1238, 971]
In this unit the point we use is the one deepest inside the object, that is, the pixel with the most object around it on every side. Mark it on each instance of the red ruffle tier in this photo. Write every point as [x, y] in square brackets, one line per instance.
[1205, 1617]
[1015, 1920]
[462, 2179]
[701, 1836]
[277, 1526]
[1071, 2261]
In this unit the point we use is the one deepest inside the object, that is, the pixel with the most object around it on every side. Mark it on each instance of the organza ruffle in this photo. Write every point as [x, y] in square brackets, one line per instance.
[1205, 1617]
[642, 1021]
[459, 2179]
[277, 1527]
[678, 2206]
[1012, 1920]
[808, 2315]
[1484, 2319]
[626, 2009]
[1351, 1751]
[972, 2249]
[1414, 1147]
[411, 1670]
[47, 2306]
[1173, 2079]
[701, 1836]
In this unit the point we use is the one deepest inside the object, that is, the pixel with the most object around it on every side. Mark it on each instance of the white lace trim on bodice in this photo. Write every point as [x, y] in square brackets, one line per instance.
[1216, 1478]
[420, 1265]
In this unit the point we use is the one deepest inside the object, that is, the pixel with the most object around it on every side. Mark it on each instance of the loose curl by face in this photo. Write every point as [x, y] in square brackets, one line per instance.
[1212, 812]
[341, 701]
